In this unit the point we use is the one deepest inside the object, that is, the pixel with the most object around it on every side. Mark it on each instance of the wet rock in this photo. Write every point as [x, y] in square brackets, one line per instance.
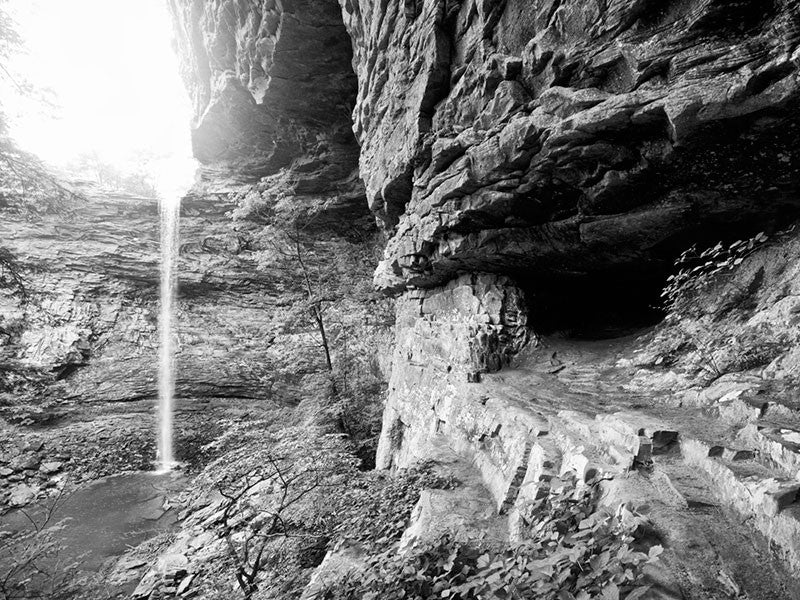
[29, 461]
[50, 468]
[625, 111]
[153, 509]
[21, 495]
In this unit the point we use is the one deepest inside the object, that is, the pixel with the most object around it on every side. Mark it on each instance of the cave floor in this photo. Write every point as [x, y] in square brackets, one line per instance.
[721, 481]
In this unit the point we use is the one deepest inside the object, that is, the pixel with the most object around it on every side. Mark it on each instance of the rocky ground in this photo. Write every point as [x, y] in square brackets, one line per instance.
[713, 456]
[106, 445]
[533, 166]
[98, 441]
[718, 475]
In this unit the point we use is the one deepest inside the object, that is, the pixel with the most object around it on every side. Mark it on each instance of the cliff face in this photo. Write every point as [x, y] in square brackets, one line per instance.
[568, 137]
[521, 157]
[264, 78]
[82, 323]
[272, 87]
[537, 139]
[569, 146]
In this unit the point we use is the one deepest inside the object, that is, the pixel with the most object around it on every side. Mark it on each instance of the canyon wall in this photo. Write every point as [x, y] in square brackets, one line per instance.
[535, 165]
[272, 89]
[528, 161]
[558, 142]
[562, 137]
[80, 324]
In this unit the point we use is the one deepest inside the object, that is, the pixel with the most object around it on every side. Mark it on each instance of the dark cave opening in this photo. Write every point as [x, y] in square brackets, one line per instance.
[600, 305]
[619, 301]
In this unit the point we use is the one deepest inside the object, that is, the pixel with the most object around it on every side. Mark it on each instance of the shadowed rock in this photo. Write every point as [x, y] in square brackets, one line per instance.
[545, 136]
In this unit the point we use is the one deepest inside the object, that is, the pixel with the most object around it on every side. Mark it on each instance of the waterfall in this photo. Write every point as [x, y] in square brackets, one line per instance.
[169, 209]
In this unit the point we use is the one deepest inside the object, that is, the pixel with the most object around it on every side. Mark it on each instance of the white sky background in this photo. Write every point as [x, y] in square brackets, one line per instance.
[116, 85]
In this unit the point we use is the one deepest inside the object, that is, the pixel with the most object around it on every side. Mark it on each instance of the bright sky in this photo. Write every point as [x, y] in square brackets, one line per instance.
[115, 77]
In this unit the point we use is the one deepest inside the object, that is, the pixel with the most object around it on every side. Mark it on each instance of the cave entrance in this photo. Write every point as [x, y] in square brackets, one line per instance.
[599, 305]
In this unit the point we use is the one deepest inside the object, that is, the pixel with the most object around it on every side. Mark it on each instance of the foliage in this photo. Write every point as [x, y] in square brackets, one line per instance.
[696, 269]
[576, 551]
[132, 180]
[693, 320]
[27, 186]
[272, 485]
[285, 492]
[756, 347]
[238, 433]
[33, 565]
[359, 413]
[248, 527]
[333, 312]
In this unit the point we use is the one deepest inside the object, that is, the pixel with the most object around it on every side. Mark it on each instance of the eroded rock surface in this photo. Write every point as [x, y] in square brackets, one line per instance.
[81, 322]
[445, 340]
[509, 144]
[272, 87]
[549, 136]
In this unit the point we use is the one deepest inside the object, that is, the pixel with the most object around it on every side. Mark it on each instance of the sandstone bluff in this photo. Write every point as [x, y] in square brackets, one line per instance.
[529, 171]
[532, 165]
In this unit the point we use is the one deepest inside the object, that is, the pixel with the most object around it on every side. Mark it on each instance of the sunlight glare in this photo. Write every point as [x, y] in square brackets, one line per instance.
[116, 83]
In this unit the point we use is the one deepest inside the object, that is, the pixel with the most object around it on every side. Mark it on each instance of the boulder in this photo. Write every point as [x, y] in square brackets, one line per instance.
[21, 495]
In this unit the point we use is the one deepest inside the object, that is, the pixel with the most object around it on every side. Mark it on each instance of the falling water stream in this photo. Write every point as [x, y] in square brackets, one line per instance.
[169, 209]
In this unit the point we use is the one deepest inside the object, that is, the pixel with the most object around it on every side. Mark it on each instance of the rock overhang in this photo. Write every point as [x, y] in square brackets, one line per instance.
[269, 81]
[571, 136]
[535, 139]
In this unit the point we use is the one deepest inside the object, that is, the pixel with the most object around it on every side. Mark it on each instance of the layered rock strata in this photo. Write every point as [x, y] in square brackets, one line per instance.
[537, 141]
[445, 340]
[83, 320]
[510, 144]
[549, 141]
[517, 136]
[272, 89]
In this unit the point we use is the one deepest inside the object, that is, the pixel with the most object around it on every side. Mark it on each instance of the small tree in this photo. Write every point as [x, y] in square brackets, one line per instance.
[328, 280]
[324, 274]
[315, 304]
[271, 496]
[33, 565]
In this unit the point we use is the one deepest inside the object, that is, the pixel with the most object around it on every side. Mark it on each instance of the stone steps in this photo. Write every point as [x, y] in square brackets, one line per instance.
[722, 486]
[700, 494]
[715, 555]
[747, 400]
[719, 496]
[543, 465]
[763, 496]
[778, 446]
